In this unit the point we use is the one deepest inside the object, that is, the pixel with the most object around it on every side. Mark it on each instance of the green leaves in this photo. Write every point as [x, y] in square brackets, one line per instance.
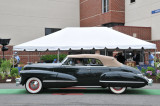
[158, 76]
[143, 70]
[14, 72]
[50, 58]
[151, 69]
[5, 66]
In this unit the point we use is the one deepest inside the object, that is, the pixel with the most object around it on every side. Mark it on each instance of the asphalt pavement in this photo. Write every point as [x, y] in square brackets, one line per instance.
[79, 97]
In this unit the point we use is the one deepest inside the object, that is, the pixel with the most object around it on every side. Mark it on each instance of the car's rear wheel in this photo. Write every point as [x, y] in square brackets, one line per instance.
[118, 90]
[33, 85]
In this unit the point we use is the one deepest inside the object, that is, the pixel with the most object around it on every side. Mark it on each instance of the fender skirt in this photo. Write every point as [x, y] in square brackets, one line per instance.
[122, 79]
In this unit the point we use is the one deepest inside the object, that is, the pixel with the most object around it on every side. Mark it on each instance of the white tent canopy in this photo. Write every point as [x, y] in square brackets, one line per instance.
[84, 37]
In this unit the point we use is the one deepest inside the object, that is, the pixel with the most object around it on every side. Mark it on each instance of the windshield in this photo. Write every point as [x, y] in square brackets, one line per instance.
[64, 60]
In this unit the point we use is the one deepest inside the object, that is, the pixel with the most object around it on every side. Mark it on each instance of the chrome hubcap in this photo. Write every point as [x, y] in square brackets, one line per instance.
[33, 85]
[117, 88]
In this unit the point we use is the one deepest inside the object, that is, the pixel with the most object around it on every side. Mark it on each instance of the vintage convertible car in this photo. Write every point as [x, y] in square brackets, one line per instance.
[82, 70]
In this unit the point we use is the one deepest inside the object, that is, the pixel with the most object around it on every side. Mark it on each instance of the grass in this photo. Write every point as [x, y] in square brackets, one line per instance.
[83, 91]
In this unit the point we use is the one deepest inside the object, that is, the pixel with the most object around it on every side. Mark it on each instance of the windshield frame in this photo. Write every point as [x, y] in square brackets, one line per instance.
[65, 59]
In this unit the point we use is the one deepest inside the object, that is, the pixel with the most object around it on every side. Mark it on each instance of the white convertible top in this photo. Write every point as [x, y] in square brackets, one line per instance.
[106, 60]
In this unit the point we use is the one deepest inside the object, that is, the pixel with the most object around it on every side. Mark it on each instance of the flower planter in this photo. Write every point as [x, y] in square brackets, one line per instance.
[7, 80]
[158, 81]
[154, 79]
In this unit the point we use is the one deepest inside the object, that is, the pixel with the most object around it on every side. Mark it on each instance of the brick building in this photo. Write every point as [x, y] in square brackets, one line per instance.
[23, 22]
[137, 18]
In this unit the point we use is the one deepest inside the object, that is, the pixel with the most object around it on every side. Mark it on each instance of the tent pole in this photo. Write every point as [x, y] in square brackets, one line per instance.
[158, 54]
[28, 56]
[155, 56]
[155, 52]
[125, 54]
[143, 55]
[58, 55]
[106, 52]
[39, 56]
[13, 58]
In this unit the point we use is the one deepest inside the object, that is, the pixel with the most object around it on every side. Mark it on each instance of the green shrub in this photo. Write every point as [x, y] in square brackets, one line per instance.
[50, 58]
[143, 70]
[158, 76]
[9, 76]
[156, 64]
[14, 72]
[151, 69]
[3, 75]
[136, 67]
[22, 68]
[0, 62]
[5, 66]
[62, 56]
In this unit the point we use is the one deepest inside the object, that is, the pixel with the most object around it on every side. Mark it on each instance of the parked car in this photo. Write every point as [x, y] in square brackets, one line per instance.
[82, 70]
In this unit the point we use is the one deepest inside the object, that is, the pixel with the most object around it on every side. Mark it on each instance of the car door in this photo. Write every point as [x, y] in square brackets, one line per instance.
[82, 73]
[96, 72]
[97, 69]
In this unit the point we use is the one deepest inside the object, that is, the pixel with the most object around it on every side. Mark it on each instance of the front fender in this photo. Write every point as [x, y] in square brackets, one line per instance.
[41, 74]
[121, 79]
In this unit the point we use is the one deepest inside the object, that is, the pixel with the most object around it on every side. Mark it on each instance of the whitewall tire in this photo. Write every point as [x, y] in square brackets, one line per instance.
[33, 85]
[118, 90]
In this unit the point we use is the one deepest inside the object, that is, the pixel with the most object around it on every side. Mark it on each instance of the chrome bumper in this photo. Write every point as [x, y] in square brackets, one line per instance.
[150, 81]
[18, 81]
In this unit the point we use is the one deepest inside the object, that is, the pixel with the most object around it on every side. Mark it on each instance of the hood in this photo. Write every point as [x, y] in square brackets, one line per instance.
[42, 65]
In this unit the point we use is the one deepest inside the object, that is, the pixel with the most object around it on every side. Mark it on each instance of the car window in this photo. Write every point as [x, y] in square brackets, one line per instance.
[93, 62]
[83, 62]
[74, 62]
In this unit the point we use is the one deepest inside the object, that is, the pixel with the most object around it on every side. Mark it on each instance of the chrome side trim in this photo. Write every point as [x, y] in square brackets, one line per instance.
[123, 81]
[58, 81]
[88, 86]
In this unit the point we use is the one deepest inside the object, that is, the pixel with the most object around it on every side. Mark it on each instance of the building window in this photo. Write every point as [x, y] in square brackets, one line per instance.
[113, 24]
[105, 6]
[51, 30]
[132, 1]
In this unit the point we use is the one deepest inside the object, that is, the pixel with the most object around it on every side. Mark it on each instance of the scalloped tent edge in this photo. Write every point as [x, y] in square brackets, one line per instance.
[76, 38]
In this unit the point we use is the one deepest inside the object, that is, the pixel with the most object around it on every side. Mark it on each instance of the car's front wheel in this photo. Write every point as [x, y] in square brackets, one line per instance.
[118, 90]
[33, 85]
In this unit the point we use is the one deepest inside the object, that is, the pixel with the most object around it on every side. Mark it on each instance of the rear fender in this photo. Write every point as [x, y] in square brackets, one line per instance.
[122, 79]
